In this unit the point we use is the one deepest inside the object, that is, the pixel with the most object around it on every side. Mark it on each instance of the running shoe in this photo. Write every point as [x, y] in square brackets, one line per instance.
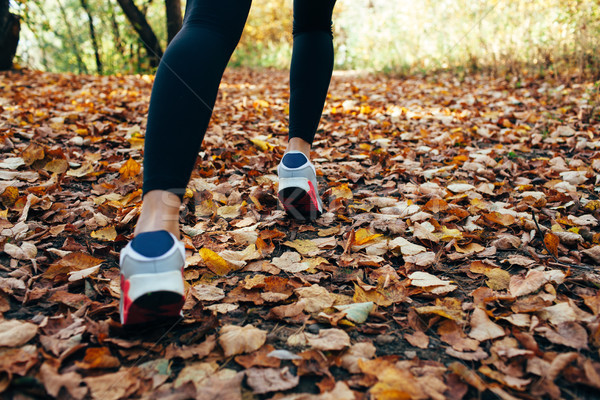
[298, 191]
[152, 278]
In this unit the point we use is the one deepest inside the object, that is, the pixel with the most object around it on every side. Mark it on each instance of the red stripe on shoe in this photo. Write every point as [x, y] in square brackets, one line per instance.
[313, 195]
[125, 285]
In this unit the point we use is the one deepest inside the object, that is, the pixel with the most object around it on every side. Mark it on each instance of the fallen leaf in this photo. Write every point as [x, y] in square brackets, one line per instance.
[418, 339]
[98, 357]
[15, 333]
[204, 292]
[113, 386]
[498, 279]
[358, 351]
[75, 261]
[265, 380]
[108, 234]
[130, 169]
[328, 339]
[551, 241]
[482, 328]
[54, 381]
[356, 312]
[215, 262]
[237, 340]
[26, 251]
[316, 298]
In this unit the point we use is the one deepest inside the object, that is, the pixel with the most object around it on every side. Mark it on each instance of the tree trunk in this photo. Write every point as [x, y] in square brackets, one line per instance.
[80, 64]
[115, 28]
[174, 19]
[144, 31]
[10, 27]
[93, 37]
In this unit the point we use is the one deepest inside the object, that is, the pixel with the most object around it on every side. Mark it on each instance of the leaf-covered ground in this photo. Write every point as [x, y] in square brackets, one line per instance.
[458, 257]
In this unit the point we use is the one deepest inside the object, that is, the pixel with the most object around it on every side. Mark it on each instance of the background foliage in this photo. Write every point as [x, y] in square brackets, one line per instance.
[400, 37]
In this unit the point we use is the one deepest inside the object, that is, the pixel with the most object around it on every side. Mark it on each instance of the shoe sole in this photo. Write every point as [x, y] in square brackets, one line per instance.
[299, 198]
[156, 297]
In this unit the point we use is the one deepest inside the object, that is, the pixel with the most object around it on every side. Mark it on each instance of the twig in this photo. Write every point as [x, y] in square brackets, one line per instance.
[581, 266]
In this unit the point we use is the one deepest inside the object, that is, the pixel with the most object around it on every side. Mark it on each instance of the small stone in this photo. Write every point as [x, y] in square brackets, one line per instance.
[314, 328]
[385, 339]
[410, 354]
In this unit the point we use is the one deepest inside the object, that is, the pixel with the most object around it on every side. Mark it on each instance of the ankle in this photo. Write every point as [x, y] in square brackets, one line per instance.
[160, 211]
[298, 144]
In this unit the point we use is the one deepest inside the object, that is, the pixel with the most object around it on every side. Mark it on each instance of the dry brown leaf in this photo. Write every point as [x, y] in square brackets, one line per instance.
[418, 339]
[26, 251]
[204, 292]
[53, 382]
[482, 328]
[237, 340]
[15, 333]
[316, 298]
[498, 279]
[113, 386]
[358, 351]
[265, 380]
[75, 261]
[328, 339]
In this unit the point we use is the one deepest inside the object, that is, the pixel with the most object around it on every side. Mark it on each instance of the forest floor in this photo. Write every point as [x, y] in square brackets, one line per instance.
[457, 258]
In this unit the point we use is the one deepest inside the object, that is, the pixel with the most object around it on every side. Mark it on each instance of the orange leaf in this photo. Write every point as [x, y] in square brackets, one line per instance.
[71, 262]
[551, 241]
[32, 153]
[98, 357]
[130, 169]
[501, 219]
[9, 196]
[436, 205]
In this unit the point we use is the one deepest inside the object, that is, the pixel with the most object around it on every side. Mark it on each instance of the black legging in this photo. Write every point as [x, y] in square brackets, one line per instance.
[188, 77]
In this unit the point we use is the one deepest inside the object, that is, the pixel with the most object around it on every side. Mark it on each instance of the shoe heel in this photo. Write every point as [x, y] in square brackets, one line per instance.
[299, 198]
[151, 297]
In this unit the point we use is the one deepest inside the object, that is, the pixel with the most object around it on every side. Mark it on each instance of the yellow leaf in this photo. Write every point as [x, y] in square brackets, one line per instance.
[306, 247]
[215, 262]
[262, 145]
[593, 205]
[449, 234]
[342, 191]
[448, 307]
[136, 142]
[499, 279]
[364, 235]
[130, 169]
[107, 233]
[58, 165]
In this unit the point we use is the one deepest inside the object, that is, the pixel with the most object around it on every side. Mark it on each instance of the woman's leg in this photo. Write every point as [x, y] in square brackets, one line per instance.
[310, 73]
[181, 104]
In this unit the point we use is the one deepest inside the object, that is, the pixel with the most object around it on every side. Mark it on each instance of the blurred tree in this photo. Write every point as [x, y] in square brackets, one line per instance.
[10, 27]
[144, 30]
[174, 19]
[93, 36]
